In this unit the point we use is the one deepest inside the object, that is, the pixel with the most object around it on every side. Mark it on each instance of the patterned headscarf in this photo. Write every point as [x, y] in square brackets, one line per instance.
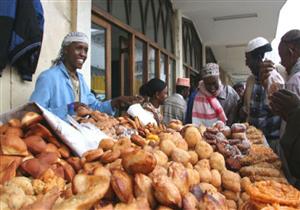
[69, 38]
[210, 69]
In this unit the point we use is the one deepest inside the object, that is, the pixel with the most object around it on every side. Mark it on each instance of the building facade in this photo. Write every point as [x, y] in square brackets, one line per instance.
[131, 41]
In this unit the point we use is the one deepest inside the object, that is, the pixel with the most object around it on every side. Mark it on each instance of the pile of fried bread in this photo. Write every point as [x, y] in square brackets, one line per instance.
[158, 167]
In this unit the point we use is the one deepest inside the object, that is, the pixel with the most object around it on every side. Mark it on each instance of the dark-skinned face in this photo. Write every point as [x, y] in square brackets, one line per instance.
[252, 63]
[211, 84]
[162, 95]
[287, 55]
[75, 55]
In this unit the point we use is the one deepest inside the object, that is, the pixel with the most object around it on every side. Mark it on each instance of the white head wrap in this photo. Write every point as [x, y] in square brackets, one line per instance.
[75, 37]
[210, 69]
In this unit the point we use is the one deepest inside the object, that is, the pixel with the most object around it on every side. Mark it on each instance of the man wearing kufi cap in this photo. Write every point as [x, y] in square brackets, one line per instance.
[255, 99]
[62, 89]
[214, 101]
[175, 105]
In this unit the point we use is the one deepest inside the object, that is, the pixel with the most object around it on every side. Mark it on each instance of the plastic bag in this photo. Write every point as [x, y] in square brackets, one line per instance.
[145, 117]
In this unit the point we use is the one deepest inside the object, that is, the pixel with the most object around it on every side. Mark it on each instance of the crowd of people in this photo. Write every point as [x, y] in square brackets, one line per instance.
[62, 89]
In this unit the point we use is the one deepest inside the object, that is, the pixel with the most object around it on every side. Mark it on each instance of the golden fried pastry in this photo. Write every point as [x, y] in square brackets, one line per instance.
[167, 146]
[203, 149]
[46, 202]
[164, 208]
[215, 178]
[48, 158]
[212, 201]
[158, 171]
[161, 157]
[143, 187]
[274, 192]
[53, 140]
[230, 195]
[117, 164]
[192, 135]
[259, 153]
[14, 131]
[244, 196]
[38, 130]
[96, 187]
[179, 176]
[90, 166]
[106, 144]
[181, 156]
[92, 155]
[6, 160]
[138, 140]
[122, 144]
[102, 171]
[205, 174]
[35, 144]
[139, 161]
[13, 145]
[8, 172]
[231, 204]
[110, 156]
[175, 125]
[231, 181]
[204, 163]
[238, 128]
[259, 171]
[3, 128]
[179, 141]
[68, 169]
[206, 187]
[14, 122]
[193, 176]
[30, 118]
[217, 161]
[75, 163]
[189, 202]
[278, 207]
[166, 192]
[64, 151]
[281, 179]
[194, 157]
[240, 136]
[122, 185]
[137, 204]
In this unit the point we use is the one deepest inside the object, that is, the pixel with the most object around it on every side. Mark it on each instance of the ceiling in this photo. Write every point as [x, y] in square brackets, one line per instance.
[228, 38]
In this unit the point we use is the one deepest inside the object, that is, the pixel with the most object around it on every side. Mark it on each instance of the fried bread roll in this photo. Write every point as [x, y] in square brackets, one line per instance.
[139, 161]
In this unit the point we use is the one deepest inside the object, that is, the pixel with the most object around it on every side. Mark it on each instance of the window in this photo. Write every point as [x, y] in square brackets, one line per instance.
[148, 51]
[192, 47]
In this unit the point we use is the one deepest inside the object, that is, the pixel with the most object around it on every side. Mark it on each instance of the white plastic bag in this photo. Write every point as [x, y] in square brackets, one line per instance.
[145, 117]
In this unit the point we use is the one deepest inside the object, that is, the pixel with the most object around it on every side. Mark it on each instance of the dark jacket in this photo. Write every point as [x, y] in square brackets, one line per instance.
[290, 148]
[21, 24]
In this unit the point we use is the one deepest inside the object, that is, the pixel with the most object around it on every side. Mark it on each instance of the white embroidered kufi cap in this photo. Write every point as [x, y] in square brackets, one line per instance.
[75, 37]
[256, 43]
[210, 69]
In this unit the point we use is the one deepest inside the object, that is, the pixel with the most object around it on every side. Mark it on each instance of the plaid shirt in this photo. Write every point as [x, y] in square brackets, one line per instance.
[260, 114]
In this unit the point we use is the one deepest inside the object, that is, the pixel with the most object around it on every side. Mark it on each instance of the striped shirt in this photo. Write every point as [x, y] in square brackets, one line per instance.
[174, 108]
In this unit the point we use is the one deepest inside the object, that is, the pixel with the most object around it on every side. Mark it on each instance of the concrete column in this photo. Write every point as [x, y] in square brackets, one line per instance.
[81, 21]
[178, 43]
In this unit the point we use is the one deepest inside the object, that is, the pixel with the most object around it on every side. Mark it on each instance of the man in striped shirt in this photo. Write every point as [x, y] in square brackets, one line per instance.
[175, 105]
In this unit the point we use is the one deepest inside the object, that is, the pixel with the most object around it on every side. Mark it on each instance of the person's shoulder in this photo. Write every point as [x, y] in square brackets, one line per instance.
[231, 91]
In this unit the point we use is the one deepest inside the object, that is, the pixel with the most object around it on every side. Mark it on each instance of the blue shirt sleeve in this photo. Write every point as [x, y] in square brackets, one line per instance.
[42, 96]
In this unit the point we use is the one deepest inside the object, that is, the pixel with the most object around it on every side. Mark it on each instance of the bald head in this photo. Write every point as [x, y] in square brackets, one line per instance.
[289, 49]
[292, 37]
